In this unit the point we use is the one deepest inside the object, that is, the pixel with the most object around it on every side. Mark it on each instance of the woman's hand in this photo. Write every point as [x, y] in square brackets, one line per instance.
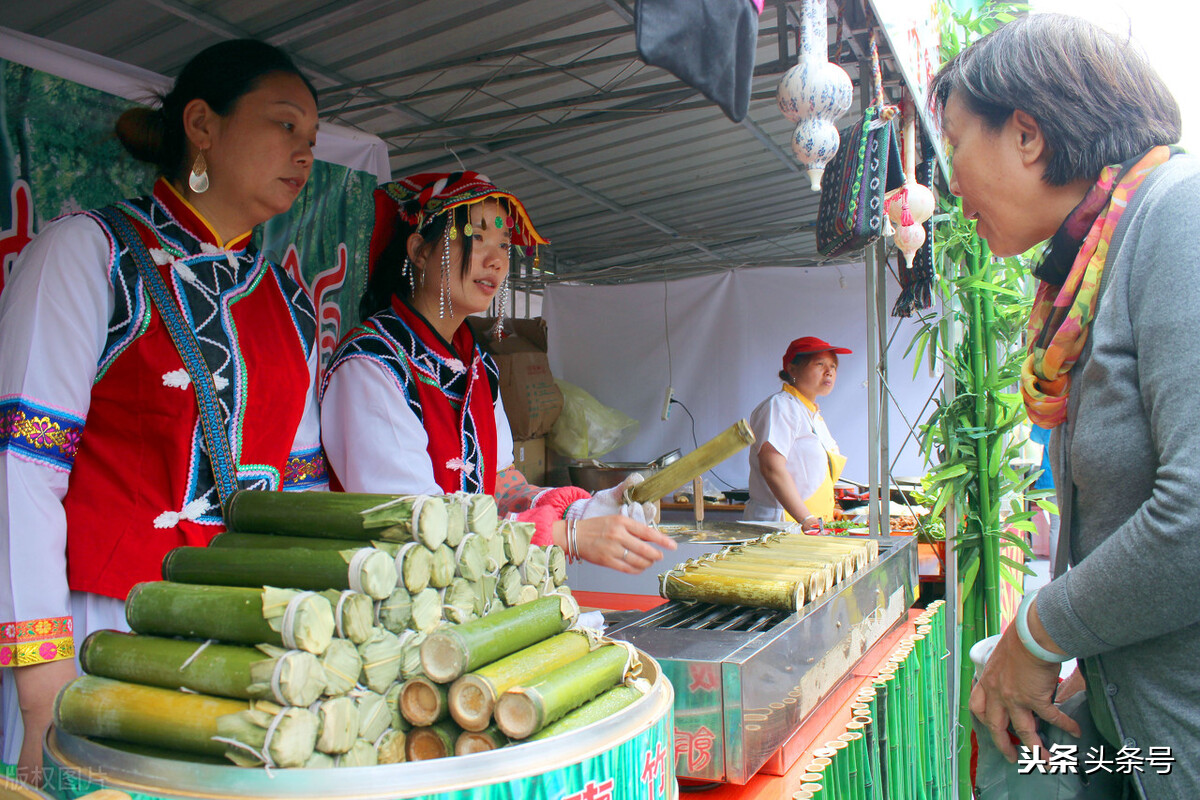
[811, 524]
[612, 501]
[620, 543]
[1013, 687]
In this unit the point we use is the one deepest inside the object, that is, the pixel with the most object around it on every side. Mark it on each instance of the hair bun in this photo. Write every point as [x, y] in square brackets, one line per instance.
[141, 132]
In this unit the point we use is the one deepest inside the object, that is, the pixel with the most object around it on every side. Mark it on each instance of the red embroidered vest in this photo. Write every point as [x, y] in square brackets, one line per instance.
[141, 483]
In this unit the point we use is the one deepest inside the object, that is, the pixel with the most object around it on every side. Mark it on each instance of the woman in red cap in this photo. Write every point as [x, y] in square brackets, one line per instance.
[410, 401]
[794, 459]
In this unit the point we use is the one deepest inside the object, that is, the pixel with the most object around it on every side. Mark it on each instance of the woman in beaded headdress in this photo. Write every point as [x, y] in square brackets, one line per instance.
[410, 402]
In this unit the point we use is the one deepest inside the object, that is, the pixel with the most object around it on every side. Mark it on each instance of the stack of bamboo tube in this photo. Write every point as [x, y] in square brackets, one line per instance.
[313, 674]
[897, 744]
[780, 570]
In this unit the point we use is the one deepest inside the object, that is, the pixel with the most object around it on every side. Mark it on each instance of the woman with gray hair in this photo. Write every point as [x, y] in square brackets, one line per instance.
[1063, 132]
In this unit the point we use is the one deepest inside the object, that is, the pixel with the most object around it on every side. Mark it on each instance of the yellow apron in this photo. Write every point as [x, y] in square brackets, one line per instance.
[820, 502]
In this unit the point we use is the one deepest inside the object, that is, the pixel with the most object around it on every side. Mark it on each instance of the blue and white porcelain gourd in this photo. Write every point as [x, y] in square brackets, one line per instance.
[814, 93]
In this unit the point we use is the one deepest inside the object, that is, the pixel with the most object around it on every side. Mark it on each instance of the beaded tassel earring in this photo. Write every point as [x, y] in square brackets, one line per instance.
[502, 301]
[406, 271]
[445, 306]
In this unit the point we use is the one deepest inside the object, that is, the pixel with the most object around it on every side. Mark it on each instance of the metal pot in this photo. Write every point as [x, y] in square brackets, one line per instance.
[596, 475]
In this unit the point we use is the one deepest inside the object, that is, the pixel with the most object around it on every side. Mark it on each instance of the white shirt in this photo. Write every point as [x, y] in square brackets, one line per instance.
[800, 435]
[373, 439]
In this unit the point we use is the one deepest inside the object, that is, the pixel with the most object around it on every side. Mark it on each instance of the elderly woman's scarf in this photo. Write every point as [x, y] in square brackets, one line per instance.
[1058, 324]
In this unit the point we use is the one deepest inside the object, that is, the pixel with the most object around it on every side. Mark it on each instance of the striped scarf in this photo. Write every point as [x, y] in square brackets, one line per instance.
[1058, 324]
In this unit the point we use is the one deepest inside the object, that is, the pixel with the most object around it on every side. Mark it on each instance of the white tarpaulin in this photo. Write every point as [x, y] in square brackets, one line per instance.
[727, 337]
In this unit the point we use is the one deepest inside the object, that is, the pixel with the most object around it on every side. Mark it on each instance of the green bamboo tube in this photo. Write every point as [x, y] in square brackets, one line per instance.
[450, 652]
[871, 753]
[149, 715]
[338, 729]
[392, 746]
[423, 702]
[923, 724]
[524, 710]
[774, 566]
[456, 517]
[367, 570]
[414, 566]
[887, 776]
[435, 741]
[516, 537]
[395, 612]
[602, 707]
[353, 614]
[214, 669]
[708, 455]
[784, 559]
[483, 517]
[898, 764]
[373, 715]
[489, 738]
[814, 789]
[336, 515]
[841, 766]
[473, 696]
[470, 557]
[260, 541]
[834, 785]
[556, 563]
[814, 581]
[230, 614]
[861, 551]
[442, 566]
[860, 778]
[714, 587]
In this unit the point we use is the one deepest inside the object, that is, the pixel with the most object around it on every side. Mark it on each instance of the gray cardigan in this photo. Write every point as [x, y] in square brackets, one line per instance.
[1127, 467]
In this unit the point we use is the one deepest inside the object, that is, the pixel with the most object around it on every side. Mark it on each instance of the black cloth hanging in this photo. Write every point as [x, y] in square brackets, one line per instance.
[707, 44]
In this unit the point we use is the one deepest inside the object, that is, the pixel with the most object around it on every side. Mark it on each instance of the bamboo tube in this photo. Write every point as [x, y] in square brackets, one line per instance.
[442, 566]
[482, 741]
[714, 587]
[516, 537]
[353, 614]
[231, 614]
[483, 517]
[319, 760]
[435, 741]
[450, 652]
[423, 702]
[410, 654]
[860, 780]
[508, 588]
[392, 747]
[291, 677]
[337, 515]
[757, 558]
[556, 563]
[426, 610]
[495, 552]
[533, 568]
[486, 599]
[381, 656]
[694, 464]
[470, 557]
[525, 709]
[414, 564]
[473, 696]
[604, 706]
[367, 570]
[841, 768]
[374, 716]
[260, 541]
[460, 601]
[395, 613]
[337, 730]
[362, 754]
[280, 736]
[456, 517]
[817, 577]
[149, 715]
[814, 789]
[342, 665]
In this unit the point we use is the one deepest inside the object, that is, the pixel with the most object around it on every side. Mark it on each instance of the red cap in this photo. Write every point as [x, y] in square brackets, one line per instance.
[810, 344]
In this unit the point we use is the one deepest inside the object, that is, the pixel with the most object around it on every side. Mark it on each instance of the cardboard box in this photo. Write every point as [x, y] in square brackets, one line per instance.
[531, 399]
[529, 456]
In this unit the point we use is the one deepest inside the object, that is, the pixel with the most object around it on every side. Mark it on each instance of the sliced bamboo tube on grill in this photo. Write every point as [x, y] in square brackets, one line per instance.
[843, 562]
[338, 515]
[708, 455]
[381, 658]
[862, 550]
[374, 717]
[832, 569]
[525, 709]
[423, 702]
[337, 730]
[232, 614]
[149, 715]
[289, 677]
[353, 614]
[366, 569]
[342, 665]
[435, 741]
[490, 738]
[414, 563]
[392, 747]
[395, 613]
[716, 587]
[473, 696]
[602, 707]
[451, 651]
[815, 582]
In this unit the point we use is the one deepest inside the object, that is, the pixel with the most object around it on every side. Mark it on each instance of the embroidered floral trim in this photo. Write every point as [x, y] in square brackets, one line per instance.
[39, 433]
[456, 365]
[305, 470]
[191, 512]
[179, 379]
[36, 641]
[458, 464]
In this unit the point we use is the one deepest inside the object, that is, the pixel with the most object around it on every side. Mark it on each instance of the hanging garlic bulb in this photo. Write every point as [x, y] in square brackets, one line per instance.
[814, 93]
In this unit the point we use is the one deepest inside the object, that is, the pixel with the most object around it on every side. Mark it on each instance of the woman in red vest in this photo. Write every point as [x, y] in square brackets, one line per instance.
[410, 401]
[152, 363]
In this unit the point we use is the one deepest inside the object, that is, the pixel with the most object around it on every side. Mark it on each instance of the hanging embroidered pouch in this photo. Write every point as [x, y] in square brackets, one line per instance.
[865, 167]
